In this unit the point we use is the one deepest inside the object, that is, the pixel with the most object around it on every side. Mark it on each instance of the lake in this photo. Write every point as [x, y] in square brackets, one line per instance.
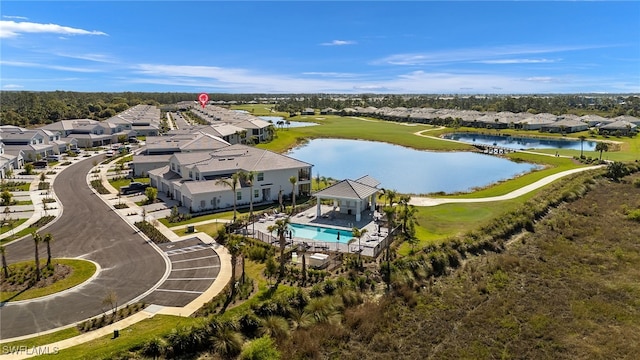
[404, 169]
[521, 143]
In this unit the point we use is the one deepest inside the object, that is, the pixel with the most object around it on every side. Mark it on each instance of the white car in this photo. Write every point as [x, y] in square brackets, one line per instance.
[110, 153]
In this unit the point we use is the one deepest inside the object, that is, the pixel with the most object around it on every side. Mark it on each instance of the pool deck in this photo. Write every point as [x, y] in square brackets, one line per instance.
[332, 219]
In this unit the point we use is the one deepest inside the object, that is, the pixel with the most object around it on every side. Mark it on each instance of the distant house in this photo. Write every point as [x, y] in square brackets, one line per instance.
[621, 127]
[570, 125]
[308, 111]
[328, 111]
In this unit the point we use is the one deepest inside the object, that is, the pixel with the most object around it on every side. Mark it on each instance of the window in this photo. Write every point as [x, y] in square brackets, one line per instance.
[260, 176]
[239, 195]
[173, 166]
[256, 193]
[190, 174]
[201, 204]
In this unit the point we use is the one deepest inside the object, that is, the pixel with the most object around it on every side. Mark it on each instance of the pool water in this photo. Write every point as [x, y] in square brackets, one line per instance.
[319, 233]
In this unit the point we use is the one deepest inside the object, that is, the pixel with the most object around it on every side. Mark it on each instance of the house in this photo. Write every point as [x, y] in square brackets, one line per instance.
[86, 132]
[9, 162]
[195, 178]
[308, 111]
[565, 125]
[158, 149]
[620, 127]
[32, 144]
[328, 111]
[139, 120]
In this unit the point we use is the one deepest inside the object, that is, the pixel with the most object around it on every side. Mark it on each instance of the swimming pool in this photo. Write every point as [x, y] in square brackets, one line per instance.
[320, 233]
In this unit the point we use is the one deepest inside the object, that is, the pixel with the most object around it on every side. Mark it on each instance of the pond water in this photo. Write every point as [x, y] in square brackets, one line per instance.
[404, 169]
[292, 124]
[521, 143]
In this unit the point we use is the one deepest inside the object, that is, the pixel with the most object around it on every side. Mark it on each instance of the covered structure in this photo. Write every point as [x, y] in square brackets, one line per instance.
[351, 197]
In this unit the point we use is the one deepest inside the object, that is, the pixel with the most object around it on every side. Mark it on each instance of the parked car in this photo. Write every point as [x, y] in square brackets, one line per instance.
[110, 153]
[134, 187]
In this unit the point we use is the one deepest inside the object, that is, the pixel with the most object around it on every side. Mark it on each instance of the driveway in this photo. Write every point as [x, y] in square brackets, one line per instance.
[91, 230]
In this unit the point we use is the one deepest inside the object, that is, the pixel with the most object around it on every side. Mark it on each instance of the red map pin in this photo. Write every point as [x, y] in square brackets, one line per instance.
[203, 98]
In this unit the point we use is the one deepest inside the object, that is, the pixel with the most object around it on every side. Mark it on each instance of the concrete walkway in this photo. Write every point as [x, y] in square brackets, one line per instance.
[132, 214]
[429, 201]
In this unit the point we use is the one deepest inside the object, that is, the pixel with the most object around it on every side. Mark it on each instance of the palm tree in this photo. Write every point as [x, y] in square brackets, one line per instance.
[5, 268]
[248, 177]
[602, 146]
[36, 240]
[407, 213]
[390, 213]
[293, 180]
[582, 139]
[233, 247]
[302, 249]
[281, 227]
[358, 234]
[232, 182]
[48, 239]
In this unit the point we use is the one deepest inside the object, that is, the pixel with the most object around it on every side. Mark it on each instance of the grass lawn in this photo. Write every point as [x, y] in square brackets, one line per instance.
[260, 110]
[45, 339]
[81, 271]
[210, 229]
[6, 228]
[106, 347]
[21, 233]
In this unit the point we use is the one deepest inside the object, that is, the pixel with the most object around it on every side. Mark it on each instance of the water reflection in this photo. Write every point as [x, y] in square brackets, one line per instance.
[520, 143]
[405, 169]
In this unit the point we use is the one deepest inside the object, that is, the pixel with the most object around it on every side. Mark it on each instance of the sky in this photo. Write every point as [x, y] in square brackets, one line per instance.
[346, 47]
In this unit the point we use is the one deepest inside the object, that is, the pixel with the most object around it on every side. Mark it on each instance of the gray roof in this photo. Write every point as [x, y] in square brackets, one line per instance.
[238, 157]
[347, 189]
[368, 180]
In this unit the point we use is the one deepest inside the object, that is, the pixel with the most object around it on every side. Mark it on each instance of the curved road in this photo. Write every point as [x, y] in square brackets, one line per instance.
[87, 229]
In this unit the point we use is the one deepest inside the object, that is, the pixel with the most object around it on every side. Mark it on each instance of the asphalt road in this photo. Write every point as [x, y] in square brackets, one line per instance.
[87, 229]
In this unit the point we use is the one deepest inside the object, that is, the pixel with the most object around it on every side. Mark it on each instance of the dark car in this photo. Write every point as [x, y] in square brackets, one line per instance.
[134, 187]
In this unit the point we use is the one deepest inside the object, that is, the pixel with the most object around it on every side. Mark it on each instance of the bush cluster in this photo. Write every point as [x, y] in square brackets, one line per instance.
[152, 232]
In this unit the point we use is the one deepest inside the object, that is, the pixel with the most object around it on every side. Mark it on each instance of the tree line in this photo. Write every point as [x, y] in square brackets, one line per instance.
[33, 108]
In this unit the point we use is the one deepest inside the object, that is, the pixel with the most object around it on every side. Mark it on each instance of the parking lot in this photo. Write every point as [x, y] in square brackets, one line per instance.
[194, 267]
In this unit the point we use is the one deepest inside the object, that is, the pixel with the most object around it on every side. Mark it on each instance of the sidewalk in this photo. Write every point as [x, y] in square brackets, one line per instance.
[132, 215]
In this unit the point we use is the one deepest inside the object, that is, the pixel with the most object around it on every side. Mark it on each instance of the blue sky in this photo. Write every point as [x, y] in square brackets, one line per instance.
[321, 47]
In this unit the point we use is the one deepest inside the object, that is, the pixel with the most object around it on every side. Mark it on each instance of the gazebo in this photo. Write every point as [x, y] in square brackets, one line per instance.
[352, 197]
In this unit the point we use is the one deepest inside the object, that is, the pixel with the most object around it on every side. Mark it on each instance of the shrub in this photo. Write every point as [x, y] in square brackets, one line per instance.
[634, 215]
[260, 349]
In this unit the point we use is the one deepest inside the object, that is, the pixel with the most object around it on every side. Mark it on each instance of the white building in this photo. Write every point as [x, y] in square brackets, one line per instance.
[194, 178]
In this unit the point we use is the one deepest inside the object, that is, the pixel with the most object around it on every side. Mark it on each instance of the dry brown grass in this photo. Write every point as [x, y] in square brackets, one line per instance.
[569, 290]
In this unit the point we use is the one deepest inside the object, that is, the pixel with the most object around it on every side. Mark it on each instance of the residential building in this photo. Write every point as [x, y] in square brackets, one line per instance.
[195, 178]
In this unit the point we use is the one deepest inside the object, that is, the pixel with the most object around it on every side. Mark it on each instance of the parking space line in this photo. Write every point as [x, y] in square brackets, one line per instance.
[187, 279]
[200, 258]
[196, 268]
[186, 250]
[181, 291]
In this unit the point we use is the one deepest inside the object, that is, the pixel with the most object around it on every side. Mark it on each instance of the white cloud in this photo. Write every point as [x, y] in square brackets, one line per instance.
[10, 29]
[517, 61]
[12, 86]
[331, 74]
[15, 17]
[493, 55]
[338, 43]
[48, 66]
